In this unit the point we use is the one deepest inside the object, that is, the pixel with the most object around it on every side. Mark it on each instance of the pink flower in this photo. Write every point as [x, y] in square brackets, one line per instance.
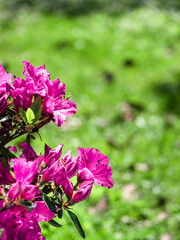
[21, 94]
[55, 172]
[4, 78]
[14, 191]
[24, 171]
[16, 227]
[13, 149]
[52, 155]
[95, 164]
[36, 78]
[83, 191]
[71, 164]
[67, 187]
[3, 102]
[42, 212]
[28, 152]
[5, 175]
[29, 192]
[55, 103]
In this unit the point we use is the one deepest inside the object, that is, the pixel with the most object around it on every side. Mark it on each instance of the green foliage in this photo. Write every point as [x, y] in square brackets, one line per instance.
[30, 115]
[50, 204]
[76, 223]
[28, 204]
[36, 107]
[6, 154]
[54, 223]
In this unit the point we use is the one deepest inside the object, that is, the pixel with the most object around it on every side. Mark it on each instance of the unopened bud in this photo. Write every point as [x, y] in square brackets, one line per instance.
[42, 164]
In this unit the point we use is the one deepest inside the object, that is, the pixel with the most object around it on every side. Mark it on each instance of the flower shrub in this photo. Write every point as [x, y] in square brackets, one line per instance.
[39, 188]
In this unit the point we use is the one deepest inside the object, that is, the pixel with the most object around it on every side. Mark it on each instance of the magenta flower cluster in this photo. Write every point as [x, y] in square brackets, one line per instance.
[37, 83]
[38, 188]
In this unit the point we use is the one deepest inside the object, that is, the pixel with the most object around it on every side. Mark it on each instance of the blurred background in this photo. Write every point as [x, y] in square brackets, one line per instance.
[120, 62]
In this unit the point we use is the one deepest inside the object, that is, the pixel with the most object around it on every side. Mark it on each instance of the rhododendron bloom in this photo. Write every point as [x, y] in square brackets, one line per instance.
[3, 102]
[42, 212]
[29, 192]
[53, 154]
[4, 78]
[28, 152]
[96, 163]
[14, 191]
[21, 94]
[35, 188]
[24, 171]
[83, 191]
[5, 175]
[55, 103]
[54, 173]
[36, 78]
[16, 226]
[71, 164]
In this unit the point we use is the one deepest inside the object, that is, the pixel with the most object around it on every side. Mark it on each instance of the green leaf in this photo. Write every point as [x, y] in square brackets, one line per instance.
[5, 152]
[1, 230]
[37, 107]
[28, 204]
[58, 202]
[29, 137]
[60, 213]
[30, 115]
[23, 114]
[54, 223]
[5, 161]
[49, 203]
[76, 223]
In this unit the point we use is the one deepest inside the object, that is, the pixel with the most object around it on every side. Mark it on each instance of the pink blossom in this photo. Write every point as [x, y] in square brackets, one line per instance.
[4, 78]
[83, 191]
[55, 103]
[71, 164]
[24, 171]
[36, 78]
[53, 155]
[12, 149]
[42, 212]
[14, 191]
[56, 172]
[21, 94]
[16, 227]
[3, 102]
[28, 152]
[29, 192]
[92, 160]
[67, 187]
[5, 175]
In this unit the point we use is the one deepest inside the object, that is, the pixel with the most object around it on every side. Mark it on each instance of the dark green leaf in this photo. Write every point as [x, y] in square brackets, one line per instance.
[29, 137]
[5, 152]
[23, 114]
[54, 223]
[5, 161]
[37, 107]
[76, 223]
[58, 202]
[60, 213]
[49, 203]
[28, 204]
[30, 115]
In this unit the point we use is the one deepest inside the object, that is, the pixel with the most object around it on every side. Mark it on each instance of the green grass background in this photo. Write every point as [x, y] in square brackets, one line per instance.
[105, 62]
